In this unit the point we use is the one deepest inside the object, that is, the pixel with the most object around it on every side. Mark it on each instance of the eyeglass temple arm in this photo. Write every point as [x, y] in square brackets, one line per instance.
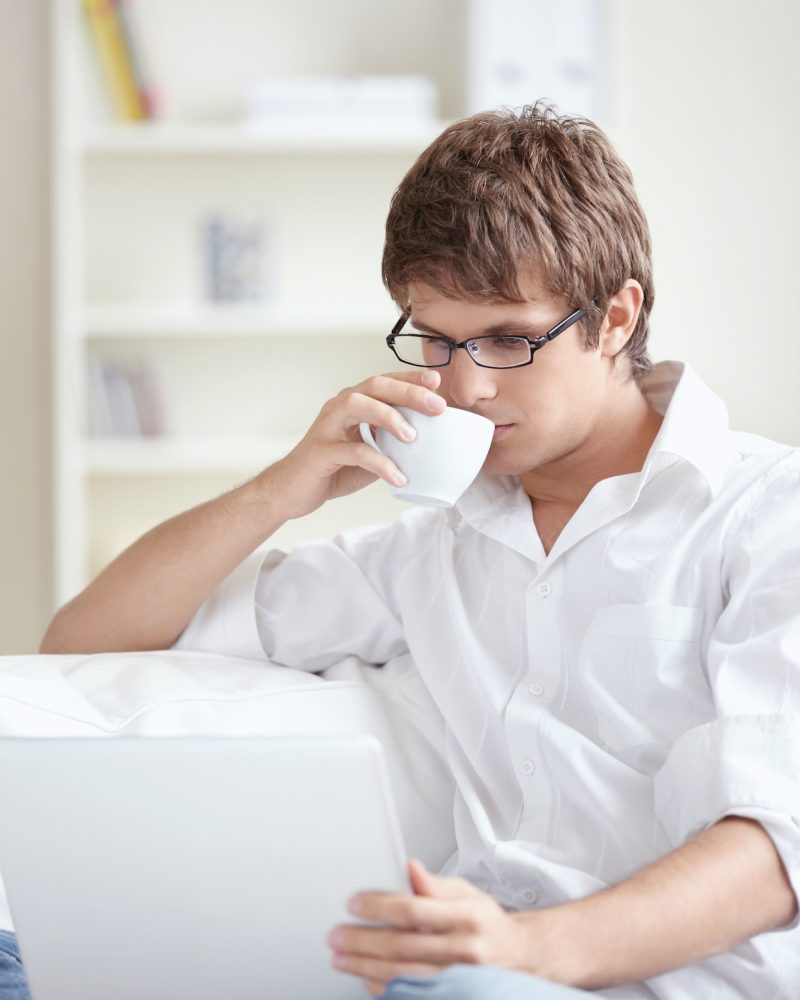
[562, 326]
[400, 323]
[565, 324]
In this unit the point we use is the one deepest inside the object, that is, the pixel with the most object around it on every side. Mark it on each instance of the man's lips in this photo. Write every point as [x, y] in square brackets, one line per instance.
[500, 430]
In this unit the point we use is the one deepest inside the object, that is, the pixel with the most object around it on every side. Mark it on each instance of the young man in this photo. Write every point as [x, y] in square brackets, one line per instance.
[607, 621]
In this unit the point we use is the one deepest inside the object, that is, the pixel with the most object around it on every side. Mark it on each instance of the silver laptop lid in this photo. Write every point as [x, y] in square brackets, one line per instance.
[159, 869]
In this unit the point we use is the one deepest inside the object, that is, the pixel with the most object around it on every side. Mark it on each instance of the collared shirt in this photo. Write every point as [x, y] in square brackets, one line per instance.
[600, 703]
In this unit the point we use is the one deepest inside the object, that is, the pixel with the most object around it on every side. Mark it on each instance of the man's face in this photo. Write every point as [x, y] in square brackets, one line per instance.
[546, 414]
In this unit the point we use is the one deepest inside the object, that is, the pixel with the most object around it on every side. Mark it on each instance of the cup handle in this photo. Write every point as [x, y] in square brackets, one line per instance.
[368, 437]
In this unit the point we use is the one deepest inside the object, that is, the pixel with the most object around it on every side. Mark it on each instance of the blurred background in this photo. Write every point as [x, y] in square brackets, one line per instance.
[192, 198]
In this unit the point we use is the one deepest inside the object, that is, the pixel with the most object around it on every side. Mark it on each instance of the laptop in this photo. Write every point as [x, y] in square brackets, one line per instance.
[164, 869]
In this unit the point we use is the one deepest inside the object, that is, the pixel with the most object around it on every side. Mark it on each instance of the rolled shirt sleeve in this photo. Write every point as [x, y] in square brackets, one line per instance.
[226, 621]
[328, 600]
[320, 603]
[747, 761]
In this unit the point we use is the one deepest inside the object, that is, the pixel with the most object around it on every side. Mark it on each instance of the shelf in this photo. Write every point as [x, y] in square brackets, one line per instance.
[159, 138]
[219, 321]
[239, 384]
[182, 456]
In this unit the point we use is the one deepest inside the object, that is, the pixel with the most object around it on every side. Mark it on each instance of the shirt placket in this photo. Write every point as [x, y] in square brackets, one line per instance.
[528, 706]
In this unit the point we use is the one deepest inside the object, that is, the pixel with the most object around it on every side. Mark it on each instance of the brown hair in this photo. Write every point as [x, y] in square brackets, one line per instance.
[504, 194]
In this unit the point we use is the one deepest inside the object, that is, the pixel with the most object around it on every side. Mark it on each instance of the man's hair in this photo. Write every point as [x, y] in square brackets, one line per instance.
[504, 196]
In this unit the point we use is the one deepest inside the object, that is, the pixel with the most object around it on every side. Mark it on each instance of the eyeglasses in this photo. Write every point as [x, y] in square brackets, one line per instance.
[497, 350]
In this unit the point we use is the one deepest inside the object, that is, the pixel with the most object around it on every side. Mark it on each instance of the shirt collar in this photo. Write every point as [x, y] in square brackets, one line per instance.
[695, 426]
[695, 429]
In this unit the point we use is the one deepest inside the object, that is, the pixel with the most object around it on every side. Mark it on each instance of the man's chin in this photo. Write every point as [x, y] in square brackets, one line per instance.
[498, 464]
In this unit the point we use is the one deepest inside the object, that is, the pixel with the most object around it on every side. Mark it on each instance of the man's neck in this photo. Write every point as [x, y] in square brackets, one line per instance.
[618, 446]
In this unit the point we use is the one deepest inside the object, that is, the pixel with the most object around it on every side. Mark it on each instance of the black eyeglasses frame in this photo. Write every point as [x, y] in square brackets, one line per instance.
[535, 343]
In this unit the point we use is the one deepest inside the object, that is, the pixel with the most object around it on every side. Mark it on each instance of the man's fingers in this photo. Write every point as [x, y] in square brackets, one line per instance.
[381, 970]
[399, 389]
[375, 402]
[416, 912]
[361, 408]
[425, 883]
[364, 457]
[408, 946]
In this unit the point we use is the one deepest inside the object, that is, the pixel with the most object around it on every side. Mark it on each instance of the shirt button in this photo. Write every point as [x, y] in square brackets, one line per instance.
[529, 896]
[536, 689]
[528, 767]
[544, 589]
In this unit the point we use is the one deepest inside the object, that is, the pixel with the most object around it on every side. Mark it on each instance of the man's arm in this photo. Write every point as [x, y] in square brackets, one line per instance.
[147, 596]
[723, 887]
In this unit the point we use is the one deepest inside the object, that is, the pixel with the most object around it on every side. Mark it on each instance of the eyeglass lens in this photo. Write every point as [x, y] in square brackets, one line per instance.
[494, 352]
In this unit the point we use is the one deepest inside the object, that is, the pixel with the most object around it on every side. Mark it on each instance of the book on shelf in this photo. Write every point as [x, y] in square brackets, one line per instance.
[124, 400]
[119, 54]
[141, 73]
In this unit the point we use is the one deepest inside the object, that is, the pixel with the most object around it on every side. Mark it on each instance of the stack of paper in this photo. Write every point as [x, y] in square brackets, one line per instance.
[334, 101]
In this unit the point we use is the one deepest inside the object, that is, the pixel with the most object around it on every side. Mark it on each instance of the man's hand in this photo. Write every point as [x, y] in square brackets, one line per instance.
[447, 921]
[332, 460]
[680, 910]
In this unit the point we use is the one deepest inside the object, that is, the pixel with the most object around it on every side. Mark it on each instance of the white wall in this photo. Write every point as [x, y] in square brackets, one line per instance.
[704, 96]
[25, 506]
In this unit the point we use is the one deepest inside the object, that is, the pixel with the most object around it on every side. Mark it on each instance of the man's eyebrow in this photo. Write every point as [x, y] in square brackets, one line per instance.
[510, 326]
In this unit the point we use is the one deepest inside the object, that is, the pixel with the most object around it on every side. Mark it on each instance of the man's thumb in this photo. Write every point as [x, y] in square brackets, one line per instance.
[422, 881]
[425, 883]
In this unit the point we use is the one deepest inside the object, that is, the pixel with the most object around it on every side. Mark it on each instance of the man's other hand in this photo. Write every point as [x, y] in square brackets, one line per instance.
[447, 921]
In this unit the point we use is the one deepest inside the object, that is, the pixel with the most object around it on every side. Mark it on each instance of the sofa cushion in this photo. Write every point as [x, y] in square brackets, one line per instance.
[180, 693]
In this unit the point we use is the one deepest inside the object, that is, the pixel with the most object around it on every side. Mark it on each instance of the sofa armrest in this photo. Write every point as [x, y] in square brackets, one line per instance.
[181, 693]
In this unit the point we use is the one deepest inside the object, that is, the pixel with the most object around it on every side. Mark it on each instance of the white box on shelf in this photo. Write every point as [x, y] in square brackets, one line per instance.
[333, 101]
[521, 51]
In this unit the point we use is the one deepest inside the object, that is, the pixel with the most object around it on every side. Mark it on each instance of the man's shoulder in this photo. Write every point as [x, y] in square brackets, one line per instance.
[762, 472]
[759, 456]
[755, 446]
[412, 526]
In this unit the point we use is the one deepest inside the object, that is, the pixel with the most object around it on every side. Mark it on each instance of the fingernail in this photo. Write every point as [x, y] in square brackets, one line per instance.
[335, 938]
[430, 379]
[407, 432]
[339, 961]
[434, 402]
[399, 479]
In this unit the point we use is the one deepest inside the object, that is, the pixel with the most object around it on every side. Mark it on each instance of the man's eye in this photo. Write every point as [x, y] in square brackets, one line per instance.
[507, 342]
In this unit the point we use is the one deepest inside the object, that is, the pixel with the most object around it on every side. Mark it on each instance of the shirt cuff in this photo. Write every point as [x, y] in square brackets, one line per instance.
[226, 621]
[745, 766]
[784, 833]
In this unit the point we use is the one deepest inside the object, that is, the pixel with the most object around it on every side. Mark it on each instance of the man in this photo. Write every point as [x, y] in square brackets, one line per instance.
[607, 621]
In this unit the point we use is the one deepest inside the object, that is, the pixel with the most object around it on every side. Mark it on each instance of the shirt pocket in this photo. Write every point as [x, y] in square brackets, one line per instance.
[642, 673]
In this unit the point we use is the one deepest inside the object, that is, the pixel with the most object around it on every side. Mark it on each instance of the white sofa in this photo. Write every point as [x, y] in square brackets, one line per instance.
[174, 693]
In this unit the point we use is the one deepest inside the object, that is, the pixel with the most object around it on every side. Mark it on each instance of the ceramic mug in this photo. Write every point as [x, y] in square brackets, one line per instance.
[442, 460]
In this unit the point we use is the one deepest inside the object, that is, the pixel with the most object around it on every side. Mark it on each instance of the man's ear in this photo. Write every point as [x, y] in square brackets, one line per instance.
[620, 319]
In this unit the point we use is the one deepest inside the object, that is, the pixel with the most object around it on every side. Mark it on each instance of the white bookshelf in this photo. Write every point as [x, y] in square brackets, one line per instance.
[162, 456]
[199, 320]
[159, 139]
[240, 383]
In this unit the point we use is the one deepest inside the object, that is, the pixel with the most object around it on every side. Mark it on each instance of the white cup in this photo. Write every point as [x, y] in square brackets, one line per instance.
[442, 460]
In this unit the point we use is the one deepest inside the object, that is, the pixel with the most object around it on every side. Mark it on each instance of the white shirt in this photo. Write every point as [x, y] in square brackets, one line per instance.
[601, 703]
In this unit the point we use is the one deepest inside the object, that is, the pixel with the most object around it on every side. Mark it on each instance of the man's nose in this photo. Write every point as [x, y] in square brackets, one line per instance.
[467, 383]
